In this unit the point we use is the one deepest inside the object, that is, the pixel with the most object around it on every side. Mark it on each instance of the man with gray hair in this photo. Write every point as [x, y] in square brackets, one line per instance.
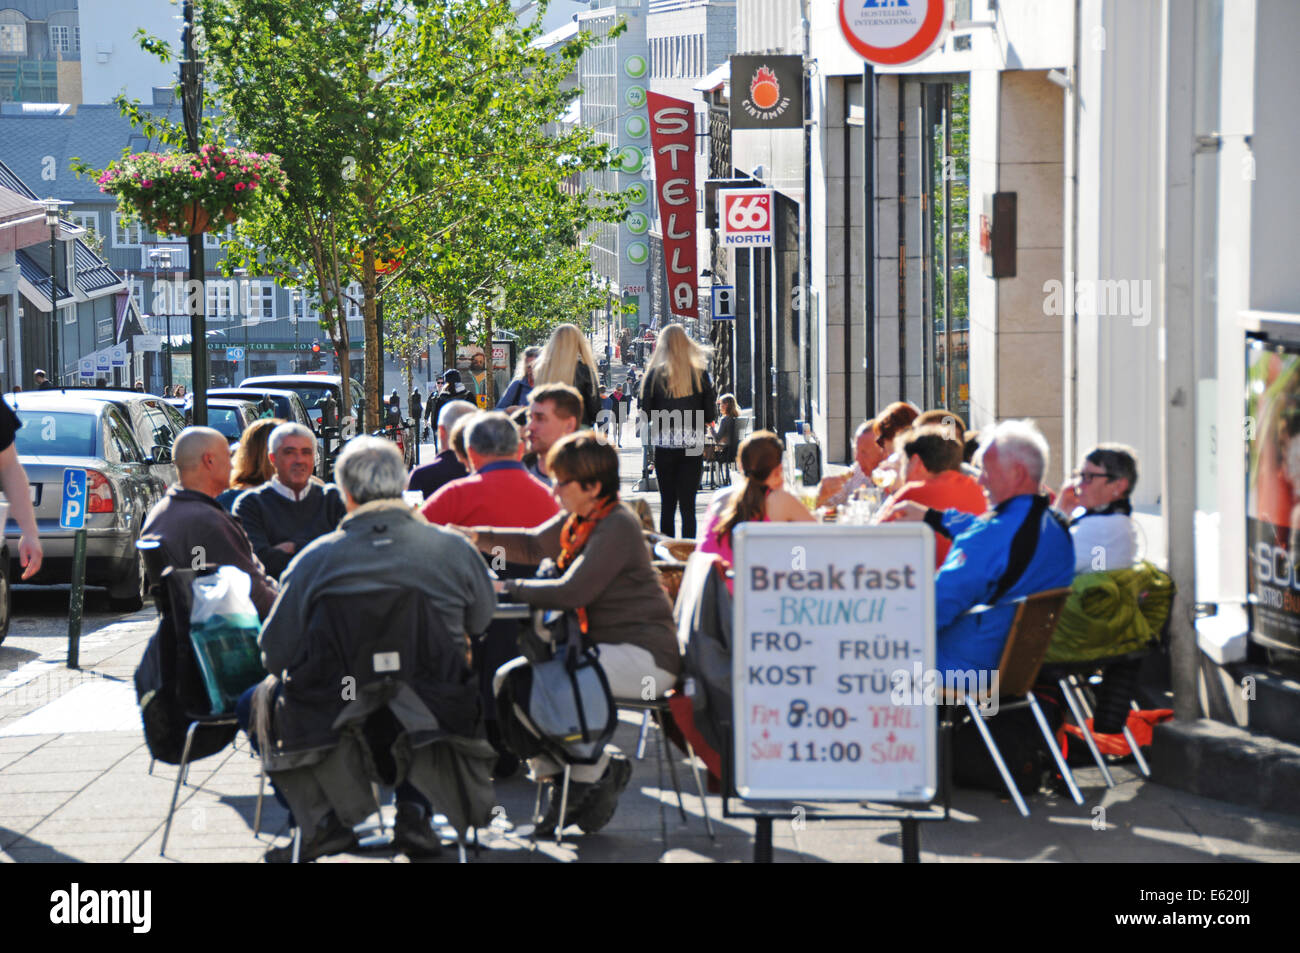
[444, 468]
[370, 554]
[292, 508]
[192, 528]
[501, 492]
[1019, 547]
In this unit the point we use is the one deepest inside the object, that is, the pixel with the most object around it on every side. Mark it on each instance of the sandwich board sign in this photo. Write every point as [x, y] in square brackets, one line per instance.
[833, 635]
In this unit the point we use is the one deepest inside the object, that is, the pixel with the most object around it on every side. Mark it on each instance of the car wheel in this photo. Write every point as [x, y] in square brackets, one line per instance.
[128, 594]
[6, 596]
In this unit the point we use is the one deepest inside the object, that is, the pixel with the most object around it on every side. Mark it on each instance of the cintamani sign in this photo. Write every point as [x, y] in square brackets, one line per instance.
[672, 137]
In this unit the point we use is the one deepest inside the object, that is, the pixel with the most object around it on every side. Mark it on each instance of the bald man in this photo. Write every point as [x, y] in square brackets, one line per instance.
[190, 524]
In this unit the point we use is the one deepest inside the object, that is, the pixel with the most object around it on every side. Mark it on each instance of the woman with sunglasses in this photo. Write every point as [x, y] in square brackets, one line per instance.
[1097, 502]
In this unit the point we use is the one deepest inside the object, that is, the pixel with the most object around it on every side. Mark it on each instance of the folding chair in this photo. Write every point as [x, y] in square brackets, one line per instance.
[1119, 674]
[1022, 657]
[657, 708]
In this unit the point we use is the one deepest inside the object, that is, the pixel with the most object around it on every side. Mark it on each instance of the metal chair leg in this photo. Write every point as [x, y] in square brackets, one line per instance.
[672, 767]
[699, 789]
[997, 757]
[564, 807]
[1056, 751]
[297, 844]
[176, 788]
[640, 741]
[1137, 752]
[1067, 690]
[261, 794]
[151, 765]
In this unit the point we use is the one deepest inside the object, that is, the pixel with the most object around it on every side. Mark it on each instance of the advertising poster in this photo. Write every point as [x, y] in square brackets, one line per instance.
[1273, 492]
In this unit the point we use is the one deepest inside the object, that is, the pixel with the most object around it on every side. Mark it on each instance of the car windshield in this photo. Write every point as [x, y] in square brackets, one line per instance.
[225, 420]
[311, 394]
[58, 433]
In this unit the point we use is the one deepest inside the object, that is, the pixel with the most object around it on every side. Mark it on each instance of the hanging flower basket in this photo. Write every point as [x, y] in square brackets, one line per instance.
[183, 193]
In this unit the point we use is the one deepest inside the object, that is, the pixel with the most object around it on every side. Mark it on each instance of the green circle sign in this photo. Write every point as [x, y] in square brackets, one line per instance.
[637, 127]
[637, 193]
[634, 66]
[630, 159]
[638, 223]
[638, 253]
[635, 96]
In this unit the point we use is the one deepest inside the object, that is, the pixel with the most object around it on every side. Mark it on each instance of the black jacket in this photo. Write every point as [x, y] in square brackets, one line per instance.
[678, 421]
[586, 386]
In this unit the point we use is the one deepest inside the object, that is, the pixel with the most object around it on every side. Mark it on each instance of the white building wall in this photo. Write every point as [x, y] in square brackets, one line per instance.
[111, 59]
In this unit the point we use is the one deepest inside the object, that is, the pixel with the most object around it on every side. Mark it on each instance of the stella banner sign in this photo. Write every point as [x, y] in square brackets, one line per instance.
[766, 92]
[672, 139]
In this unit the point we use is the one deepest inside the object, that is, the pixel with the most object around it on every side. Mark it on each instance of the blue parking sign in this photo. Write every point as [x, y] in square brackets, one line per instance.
[72, 515]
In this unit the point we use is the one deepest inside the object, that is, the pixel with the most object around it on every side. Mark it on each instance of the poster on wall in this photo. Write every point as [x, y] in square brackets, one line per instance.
[1272, 430]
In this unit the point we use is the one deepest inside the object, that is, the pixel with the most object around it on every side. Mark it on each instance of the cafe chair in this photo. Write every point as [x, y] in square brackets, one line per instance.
[657, 709]
[1022, 657]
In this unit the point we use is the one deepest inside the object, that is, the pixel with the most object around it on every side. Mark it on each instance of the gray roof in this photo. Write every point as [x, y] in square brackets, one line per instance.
[97, 134]
[39, 276]
[93, 273]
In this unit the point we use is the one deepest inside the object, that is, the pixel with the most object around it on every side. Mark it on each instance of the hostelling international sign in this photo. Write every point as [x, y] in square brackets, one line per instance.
[892, 32]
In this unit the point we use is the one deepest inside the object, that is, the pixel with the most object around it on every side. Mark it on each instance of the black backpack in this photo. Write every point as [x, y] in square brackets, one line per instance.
[168, 684]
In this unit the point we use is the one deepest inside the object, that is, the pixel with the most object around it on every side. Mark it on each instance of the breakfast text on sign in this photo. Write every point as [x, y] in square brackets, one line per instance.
[826, 638]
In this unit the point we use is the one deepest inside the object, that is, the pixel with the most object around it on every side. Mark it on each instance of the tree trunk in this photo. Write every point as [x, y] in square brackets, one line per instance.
[373, 365]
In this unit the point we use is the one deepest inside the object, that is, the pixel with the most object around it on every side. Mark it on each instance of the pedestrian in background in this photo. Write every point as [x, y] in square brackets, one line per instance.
[567, 359]
[251, 466]
[679, 402]
[516, 394]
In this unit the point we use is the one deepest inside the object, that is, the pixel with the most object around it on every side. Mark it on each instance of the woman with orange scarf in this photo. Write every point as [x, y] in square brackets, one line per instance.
[604, 574]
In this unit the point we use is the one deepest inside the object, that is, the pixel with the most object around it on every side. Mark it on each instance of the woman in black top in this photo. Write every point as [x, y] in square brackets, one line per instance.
[679, 402]
[567, 359]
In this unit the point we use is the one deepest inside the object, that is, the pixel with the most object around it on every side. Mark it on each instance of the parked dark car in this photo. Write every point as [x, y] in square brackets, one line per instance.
[230, 417]
[286, 404]
[63, 430]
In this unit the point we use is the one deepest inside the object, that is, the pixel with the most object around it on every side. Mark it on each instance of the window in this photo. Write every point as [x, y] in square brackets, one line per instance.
[65, 39]
[137, 294]
[214, 239]
[261, 300]
[13, 37]
[87, 220]
[121, 442]
[127, 232]
[303, 306]
[70, 314]
[353, 298]
[220, 296]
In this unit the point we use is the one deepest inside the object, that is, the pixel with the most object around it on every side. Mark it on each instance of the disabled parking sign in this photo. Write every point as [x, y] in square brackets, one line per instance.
[72, 515]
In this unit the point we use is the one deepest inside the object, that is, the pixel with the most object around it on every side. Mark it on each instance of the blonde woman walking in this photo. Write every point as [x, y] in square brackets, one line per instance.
[567, 359]
[679, 402]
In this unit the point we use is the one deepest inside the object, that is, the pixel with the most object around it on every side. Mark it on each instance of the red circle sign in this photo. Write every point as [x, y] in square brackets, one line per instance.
[893, 32]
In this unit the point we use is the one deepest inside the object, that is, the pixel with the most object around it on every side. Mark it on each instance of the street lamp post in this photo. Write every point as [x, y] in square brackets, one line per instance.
[52, 207]
[248, 314]
[609, 334]
[160, 257]
[192, 114]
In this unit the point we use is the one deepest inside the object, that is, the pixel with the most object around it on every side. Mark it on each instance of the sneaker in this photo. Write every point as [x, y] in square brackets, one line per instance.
[578, 793]
[603, 799]
[331, 837]
[412, 834]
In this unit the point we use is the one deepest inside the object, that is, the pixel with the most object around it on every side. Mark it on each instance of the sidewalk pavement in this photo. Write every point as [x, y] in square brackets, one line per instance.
[74, 775]
[76, 785]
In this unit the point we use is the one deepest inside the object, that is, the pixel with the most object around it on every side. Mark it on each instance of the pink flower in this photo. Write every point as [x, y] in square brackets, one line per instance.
[147, 183]
[220, 176]
[239, 186]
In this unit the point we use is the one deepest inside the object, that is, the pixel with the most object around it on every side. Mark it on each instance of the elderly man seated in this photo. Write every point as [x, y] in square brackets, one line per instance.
[1018, 548]
[867, 455]
[292, 508]
[190, 525]
[357, 638]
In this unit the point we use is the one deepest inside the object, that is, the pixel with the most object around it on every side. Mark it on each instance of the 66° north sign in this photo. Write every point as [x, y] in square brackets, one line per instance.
[745, 217]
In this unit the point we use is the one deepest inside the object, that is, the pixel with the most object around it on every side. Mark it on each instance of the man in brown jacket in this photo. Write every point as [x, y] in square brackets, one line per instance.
[192, 528]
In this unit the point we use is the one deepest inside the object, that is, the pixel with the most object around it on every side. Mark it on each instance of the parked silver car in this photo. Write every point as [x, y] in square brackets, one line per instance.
[155, 423]
[62, 431]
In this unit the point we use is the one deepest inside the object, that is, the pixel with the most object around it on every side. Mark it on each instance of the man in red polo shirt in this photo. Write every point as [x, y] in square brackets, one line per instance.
[935, 479]
[500, 492]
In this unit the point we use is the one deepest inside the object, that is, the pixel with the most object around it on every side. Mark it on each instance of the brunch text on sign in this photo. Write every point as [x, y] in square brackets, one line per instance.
[672, 137]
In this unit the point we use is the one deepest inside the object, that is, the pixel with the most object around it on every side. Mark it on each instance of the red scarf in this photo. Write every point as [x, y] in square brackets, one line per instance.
[573, 537]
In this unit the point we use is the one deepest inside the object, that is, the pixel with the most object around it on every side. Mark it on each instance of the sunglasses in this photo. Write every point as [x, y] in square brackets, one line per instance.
[1083, 477]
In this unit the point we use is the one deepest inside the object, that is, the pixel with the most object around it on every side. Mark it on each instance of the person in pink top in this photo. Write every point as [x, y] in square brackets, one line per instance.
[760, 496]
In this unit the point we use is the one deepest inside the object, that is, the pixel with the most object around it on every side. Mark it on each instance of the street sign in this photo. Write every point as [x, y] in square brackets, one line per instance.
[745, 217]
[72, 514]
[147, 342]
[834, 634]
[87, 367]
[892, 34]
[117, 355]
[234, 354]
[724, 302]
[102, 364]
